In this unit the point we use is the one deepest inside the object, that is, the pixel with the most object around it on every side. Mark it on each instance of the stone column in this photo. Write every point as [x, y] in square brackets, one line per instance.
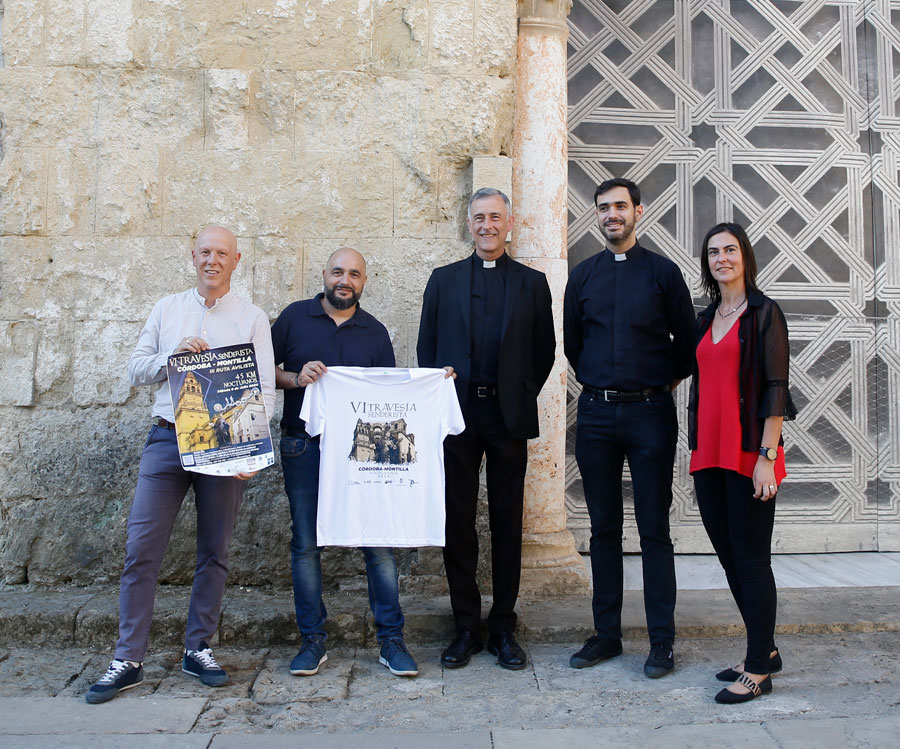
[550, 564]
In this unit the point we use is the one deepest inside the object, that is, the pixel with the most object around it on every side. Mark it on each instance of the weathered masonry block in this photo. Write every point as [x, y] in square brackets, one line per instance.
[125, 127]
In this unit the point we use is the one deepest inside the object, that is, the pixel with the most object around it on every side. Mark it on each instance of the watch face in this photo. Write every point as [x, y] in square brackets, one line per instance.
[771, 453]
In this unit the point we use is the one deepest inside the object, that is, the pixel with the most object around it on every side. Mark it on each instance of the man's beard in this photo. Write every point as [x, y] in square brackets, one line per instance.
[340, 302]
[627, 231]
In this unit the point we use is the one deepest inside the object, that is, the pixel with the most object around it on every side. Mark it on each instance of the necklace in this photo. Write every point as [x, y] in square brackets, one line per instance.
[733, 310]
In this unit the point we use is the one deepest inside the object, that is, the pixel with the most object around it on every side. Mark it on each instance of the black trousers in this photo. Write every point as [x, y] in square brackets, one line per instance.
[645, 432]
[740, 529]
[507, 458]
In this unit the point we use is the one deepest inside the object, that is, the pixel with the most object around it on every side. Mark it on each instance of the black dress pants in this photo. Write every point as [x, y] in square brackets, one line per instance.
[645, 432]
[740, 529]
[507, 458]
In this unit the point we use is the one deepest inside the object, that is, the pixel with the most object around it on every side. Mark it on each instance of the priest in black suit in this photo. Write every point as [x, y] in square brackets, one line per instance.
[489, 321]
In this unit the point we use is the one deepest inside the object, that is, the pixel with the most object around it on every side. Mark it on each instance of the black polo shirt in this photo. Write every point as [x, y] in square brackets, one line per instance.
[628, 324]
[304, 332]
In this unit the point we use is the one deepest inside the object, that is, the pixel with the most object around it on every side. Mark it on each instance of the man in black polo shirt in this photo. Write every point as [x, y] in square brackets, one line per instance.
[629, 334]
[330, 330]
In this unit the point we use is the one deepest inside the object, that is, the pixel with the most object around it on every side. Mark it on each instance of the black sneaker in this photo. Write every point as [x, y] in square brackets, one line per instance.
[200, 663]
[120, 676]
[596, 649]
[660, 661]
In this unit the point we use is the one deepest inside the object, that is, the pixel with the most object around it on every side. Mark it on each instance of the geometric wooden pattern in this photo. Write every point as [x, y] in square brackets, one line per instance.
[784, 117]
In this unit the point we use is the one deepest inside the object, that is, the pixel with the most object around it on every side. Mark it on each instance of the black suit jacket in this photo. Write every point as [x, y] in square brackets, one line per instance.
[527, 345]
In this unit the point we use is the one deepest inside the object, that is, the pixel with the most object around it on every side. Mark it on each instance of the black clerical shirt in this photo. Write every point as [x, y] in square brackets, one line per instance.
[304, 332]
[488, 300]
[628, 324]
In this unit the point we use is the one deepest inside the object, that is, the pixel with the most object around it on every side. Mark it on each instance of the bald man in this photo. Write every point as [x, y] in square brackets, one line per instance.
[330, 330]
[208, 316]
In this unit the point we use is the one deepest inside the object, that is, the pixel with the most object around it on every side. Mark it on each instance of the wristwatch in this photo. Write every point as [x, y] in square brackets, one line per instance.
[769, 452]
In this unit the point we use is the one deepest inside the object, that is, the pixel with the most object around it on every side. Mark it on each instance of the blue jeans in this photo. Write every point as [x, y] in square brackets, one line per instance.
[300, 463]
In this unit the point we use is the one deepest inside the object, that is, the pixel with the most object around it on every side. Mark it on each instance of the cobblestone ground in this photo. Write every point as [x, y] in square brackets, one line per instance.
[825, 676]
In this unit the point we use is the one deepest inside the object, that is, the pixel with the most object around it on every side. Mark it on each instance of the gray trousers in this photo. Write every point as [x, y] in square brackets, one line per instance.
[161, 488]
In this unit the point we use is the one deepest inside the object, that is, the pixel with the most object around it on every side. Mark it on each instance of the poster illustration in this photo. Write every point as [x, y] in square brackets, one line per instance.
[220, 416]
[383, 442]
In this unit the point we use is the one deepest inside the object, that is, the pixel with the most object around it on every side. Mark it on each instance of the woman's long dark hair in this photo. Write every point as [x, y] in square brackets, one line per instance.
[710, 285]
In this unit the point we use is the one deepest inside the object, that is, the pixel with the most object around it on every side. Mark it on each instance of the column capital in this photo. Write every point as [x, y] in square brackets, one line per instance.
[543, 15]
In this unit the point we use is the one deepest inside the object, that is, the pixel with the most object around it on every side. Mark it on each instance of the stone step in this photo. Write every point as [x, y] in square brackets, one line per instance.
[255, 617]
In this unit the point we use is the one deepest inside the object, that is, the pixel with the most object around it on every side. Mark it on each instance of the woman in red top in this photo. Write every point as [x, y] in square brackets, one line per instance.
[739, 399]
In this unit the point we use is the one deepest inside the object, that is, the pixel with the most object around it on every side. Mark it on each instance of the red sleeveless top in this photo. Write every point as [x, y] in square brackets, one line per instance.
[718, 410]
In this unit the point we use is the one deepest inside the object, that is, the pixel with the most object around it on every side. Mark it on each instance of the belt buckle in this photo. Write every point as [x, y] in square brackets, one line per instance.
[606, 396]
[482, 391]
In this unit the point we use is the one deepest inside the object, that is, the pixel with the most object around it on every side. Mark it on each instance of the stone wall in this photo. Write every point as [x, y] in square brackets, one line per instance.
[127, 125]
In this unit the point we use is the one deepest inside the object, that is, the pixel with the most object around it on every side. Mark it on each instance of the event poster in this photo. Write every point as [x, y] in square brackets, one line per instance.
[220, 414]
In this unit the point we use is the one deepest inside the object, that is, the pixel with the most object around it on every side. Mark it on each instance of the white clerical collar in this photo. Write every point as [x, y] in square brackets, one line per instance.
[620, 256]
[489, 263]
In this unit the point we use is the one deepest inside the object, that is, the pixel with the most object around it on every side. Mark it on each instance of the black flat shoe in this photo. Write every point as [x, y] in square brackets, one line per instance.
[509, 653]
[729, 674]
[727, 697]
[460, 651]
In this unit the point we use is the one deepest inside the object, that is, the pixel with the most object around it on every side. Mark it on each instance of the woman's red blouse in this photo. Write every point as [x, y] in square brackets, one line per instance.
[718, 410]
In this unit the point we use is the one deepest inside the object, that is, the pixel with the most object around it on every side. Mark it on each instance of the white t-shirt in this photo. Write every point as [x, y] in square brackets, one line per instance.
[381, 468]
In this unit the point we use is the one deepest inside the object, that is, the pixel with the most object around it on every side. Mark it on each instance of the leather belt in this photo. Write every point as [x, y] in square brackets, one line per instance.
[484, 391]
[624, 396]
[160, 422]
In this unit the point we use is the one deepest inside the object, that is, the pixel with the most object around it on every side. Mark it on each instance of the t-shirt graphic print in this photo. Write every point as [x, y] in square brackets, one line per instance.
[381, 464]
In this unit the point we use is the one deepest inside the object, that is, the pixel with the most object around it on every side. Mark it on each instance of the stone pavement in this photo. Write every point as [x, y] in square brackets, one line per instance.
[840, 686]
[836, 690]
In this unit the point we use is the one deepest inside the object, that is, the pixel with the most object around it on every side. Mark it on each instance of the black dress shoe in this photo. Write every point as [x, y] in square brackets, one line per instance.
[460, 651]
[509, 653]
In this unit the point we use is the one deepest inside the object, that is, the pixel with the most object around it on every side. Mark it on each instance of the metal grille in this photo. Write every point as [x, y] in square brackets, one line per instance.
[780, 116]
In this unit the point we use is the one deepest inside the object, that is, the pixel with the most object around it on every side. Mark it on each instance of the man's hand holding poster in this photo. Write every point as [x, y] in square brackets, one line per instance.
[220, 415]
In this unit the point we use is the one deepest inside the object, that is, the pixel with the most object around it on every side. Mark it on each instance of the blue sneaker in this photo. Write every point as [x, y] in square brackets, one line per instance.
[310, 656]
[396, 657]
[120, 676]
[200, 663]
